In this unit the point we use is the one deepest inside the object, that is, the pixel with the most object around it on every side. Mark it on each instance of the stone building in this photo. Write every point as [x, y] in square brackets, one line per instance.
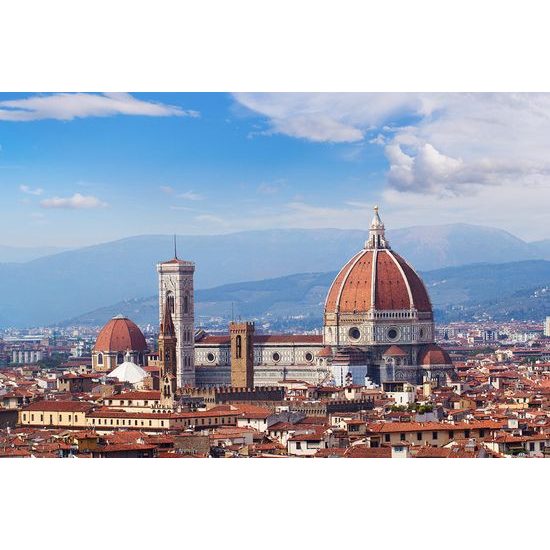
[378, 325]
[176, 291]
[118, 340]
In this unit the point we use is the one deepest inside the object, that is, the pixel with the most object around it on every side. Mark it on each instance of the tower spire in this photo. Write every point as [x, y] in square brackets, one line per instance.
[167, 326]
[377, 233]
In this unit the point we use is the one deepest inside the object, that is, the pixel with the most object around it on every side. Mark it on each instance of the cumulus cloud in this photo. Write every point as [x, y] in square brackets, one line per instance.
[30, 190]
[68, 106]
[451, 144]
[77, 201]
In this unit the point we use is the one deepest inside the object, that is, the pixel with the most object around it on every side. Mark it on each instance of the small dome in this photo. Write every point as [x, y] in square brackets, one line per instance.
[120, 334]
[432, 354]
[394, 351]
[128, 372]
[325, 352]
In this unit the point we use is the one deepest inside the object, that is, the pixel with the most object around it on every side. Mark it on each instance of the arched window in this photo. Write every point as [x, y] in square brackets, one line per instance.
[170, 302]
[186, 303]
[238, 351]
[119, 358]
[100, 359]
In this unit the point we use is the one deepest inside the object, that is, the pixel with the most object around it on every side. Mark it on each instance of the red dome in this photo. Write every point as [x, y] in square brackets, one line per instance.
[120, 334]
[432, 354]
[377, 279]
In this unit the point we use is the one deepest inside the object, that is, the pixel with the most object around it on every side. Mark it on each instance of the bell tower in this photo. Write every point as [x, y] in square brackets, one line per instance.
[176, 293]
[242, 354]
[167, 359]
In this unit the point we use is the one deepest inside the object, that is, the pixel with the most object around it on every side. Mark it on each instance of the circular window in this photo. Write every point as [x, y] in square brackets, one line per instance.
[354, 333]
[276, 357]
[309, 356]
[393, 334]
[210, 357]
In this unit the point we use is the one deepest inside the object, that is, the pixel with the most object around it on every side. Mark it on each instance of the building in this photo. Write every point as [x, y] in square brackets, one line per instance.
[168, 374]
[547, 327]
[277, 357]
[242, 354]
[378, 326]
[130, 373]
[26, 356]
[120, 339]
[176, 291]
[378, 314]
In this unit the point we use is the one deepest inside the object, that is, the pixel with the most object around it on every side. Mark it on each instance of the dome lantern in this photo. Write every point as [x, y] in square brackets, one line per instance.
[377, 233]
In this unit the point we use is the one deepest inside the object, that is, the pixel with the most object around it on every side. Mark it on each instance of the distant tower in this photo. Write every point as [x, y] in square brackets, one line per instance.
[242, 354]
[167, 359]
[176, 291]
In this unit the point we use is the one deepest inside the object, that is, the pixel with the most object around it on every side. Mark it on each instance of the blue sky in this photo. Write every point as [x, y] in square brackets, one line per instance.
[86, 168]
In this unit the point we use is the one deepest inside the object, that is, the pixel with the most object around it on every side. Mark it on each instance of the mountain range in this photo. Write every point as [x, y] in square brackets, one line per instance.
[50, 289]
[515, 290]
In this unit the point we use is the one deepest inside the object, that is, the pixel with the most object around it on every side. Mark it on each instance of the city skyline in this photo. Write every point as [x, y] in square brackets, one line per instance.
[123, 164]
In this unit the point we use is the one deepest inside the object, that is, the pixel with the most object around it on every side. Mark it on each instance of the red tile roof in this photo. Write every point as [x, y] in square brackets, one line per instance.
[396, 285]
[59, 406]
[119, 335]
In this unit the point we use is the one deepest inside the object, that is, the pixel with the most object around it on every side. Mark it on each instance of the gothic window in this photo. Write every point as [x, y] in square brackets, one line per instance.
[238, 346]
[186, 303]
[170, 302]
[119, 358]
[100, 359]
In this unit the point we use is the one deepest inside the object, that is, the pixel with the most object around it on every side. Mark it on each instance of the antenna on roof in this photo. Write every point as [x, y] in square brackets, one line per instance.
[175, 248]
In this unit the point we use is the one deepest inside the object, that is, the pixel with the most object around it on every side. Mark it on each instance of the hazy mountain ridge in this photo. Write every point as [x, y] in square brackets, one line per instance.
[18, 254]
[48, 289]
[503, 291]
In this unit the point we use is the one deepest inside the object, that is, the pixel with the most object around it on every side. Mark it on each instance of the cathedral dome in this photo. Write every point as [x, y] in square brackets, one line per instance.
[377, 279]
[119, 335]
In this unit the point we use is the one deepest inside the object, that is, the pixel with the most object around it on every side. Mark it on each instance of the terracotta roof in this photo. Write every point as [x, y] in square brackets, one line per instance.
[394, 351]
[398, 427]
[432, 354]
[259, 339]
[136, 396]
[59, 406]
[362, 451]
[396, 285]
[120, 334]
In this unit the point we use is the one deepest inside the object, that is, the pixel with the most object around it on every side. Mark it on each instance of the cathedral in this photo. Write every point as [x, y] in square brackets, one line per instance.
[378, 327]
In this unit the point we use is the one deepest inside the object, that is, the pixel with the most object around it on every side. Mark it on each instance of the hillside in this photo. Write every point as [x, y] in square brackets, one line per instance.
[48, 289]
[514, 290]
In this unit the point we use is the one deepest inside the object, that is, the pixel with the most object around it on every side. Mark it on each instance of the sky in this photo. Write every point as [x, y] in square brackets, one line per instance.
[78, 169]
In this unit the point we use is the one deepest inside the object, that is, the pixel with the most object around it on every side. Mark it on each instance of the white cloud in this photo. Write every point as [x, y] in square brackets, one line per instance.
[77, 201]
[166, 189]
[452, 144]
[68, 106]
[30, 190]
